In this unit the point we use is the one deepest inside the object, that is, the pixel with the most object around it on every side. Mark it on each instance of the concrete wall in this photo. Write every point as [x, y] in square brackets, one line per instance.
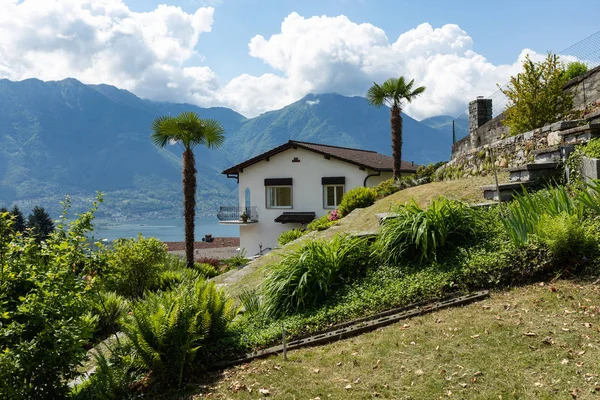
[307, 191]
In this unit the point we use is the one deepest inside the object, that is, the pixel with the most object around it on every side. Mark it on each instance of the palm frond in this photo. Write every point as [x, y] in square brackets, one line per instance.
[376, 95]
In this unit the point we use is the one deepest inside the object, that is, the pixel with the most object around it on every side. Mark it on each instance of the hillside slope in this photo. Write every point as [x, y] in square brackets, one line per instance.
[533, 342]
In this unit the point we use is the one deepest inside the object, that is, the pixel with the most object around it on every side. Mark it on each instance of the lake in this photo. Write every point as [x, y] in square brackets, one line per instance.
[167, 230]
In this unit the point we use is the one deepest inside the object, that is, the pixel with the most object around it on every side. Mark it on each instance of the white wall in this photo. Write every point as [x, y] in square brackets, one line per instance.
[307, 191]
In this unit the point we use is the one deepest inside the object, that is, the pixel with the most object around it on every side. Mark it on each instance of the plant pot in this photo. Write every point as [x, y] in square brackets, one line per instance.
[590, 168]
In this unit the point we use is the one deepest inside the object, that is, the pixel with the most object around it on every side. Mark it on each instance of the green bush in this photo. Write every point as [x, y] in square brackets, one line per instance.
[167, 329]
[359, 197]
[386, 188]
[134, 266]
[575, 69]
[592, 148]
[564, 235]
[417, 233]
[109, 308]
[290, 236]
[307, 276]
[236, 261]
[206, 270]
[112, 378]
[45, 292]
[252, 301]
[320, 224]
[522, 217]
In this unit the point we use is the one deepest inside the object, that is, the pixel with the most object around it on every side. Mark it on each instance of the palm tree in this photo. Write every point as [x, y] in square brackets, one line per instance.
[391, 93]
[189, 130]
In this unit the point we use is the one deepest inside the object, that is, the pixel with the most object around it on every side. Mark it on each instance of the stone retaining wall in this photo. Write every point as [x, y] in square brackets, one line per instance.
[585, 89]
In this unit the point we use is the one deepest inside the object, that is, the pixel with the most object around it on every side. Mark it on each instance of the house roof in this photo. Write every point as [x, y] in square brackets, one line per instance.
[362, 158]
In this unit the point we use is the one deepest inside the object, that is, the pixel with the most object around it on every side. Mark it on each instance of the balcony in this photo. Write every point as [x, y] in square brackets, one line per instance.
[232, 215]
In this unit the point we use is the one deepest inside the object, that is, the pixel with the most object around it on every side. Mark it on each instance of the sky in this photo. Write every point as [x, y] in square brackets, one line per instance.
[259, 55]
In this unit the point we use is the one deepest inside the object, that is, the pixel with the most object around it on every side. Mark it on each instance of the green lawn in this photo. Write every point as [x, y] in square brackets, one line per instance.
[533, 342]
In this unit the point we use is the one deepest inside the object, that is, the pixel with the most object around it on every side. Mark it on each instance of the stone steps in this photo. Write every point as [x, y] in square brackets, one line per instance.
[580, 134]
[547, 155]
[532, 171]
[507, 190]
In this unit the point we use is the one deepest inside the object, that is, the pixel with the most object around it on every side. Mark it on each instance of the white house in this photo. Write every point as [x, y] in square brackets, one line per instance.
[290, 185]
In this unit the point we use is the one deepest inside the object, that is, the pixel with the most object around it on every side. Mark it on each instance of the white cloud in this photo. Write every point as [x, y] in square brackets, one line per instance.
[150, 54]
[103, 41]
[313, 102]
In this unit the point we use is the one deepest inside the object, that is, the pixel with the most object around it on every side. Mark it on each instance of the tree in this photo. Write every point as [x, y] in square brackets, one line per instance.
[19, 223]
[40, 223]
[535, 96]
[575, 69]
[189, 130]
[391, 93]
[44, 307]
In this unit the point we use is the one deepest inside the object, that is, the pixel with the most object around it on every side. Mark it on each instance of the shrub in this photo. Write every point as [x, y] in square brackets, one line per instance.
[112, 378]
[524, 214]
[167, 329]
[252, 301]
[236, 261]
[564, 235]
[209, 260]
[416, 233]
[592, 149]
[206, 270]
[134, 266]
[320, 224]
[359, 197]
[44, 307]
[575, 69]
[386, 188]
[290, 236]
[535, 96]
[307, 276]
[109, 308]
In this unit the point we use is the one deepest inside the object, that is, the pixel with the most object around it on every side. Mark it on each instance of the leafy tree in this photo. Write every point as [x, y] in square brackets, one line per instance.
[536, 96]
[189, 130]
[40, 223]
[575, 69]
[44, 304]
[19, 224]
[391, 93]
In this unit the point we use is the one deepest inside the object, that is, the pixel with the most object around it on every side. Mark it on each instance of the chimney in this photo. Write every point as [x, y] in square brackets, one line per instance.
[480, 112]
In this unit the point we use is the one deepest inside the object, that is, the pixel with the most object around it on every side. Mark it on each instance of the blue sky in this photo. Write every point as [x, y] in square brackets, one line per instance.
[259, 55]
[500, 29]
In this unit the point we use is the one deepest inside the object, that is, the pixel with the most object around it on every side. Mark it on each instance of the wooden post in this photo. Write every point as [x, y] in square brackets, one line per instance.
[284, 344]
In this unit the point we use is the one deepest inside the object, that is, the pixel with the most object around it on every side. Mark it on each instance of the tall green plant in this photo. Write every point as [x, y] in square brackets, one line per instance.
[419, 233]
[168, 329]
[188, 130]
[45, 291]
[309, 275]
[536, 96]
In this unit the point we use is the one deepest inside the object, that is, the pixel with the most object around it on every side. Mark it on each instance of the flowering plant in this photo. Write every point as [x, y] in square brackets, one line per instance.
[333, 215]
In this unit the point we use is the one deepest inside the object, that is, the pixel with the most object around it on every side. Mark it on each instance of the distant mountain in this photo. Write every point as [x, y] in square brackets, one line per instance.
[338, 120]
[443, 124]
[65, 137]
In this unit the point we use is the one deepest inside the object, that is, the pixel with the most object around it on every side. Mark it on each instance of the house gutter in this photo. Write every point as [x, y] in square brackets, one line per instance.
[370, 175]
[235, 176]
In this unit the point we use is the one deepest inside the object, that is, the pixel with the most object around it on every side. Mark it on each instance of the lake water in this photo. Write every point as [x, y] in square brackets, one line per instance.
[167, 230]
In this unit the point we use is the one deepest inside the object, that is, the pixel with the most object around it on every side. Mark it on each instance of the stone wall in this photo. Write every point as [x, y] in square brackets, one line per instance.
[517, 150]
[585, 89]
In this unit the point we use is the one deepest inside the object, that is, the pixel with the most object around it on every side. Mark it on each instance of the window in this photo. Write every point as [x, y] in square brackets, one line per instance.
[279, 197]
[333, 190]
[332, 195]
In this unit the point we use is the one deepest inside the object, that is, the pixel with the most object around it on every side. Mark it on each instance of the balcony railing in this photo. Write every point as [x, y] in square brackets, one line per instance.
[233, 215]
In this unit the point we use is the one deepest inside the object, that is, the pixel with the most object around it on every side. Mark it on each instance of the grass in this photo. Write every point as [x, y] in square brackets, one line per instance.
[237, 281]
[532, 342]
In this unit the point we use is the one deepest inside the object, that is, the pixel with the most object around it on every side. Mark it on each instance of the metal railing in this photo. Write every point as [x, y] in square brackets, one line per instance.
[234, 213]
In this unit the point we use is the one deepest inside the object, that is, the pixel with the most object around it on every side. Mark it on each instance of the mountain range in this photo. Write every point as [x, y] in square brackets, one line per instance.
[67, 138]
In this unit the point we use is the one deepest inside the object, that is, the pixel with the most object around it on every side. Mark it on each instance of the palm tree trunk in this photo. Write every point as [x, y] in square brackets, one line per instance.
[396, 125]
[189, 203]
